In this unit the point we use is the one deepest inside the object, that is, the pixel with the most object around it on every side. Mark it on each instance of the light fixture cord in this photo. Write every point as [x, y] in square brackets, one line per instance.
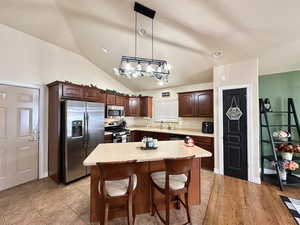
[152, 39]
[135, 35]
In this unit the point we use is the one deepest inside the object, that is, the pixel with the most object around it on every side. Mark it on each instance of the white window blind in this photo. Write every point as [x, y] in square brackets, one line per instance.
[166, 110]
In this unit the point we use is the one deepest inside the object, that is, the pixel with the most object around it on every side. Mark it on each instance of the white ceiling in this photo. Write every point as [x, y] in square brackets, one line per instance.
[186, 33]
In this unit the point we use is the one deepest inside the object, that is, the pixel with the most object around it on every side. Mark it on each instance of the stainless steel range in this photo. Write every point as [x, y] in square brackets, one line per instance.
[120, 133]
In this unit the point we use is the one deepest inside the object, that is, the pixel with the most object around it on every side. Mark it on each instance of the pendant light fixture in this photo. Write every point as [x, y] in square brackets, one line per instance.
[136, 67]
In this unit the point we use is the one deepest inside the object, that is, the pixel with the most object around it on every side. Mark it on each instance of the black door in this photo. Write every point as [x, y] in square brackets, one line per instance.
[235, 134]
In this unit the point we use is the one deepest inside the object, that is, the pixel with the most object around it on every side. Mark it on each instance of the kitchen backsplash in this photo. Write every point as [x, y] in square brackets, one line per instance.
[183, 122]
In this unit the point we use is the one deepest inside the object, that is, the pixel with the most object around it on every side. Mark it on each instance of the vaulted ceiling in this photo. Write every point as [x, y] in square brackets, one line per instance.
[186, 33]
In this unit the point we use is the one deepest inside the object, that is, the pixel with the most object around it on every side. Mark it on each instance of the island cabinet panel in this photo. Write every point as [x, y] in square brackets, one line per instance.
[186, 103]
[204, 103]
[196, 104]
[119, 100]
[110, 99]
[134, 106]
[146, 106]
[72, 91]
[206, 143]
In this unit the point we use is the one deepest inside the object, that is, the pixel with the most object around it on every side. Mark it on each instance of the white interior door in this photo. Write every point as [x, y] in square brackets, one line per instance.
[18, 135]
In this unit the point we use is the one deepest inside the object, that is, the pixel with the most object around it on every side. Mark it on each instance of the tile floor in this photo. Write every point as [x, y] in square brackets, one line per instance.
[46, 203]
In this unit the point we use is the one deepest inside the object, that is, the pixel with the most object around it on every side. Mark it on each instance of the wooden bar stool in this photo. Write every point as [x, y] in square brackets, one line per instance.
[116, 188]
[172, 183]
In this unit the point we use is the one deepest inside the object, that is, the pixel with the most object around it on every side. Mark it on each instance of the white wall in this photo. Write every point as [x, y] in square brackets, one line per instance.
[28, 60]
[245, 74]
[185, 123]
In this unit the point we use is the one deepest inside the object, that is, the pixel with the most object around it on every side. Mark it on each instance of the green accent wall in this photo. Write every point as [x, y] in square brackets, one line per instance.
[279, 87]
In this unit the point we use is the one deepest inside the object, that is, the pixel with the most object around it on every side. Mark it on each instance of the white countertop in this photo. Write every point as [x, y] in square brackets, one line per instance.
[114, 152]
[176, 131]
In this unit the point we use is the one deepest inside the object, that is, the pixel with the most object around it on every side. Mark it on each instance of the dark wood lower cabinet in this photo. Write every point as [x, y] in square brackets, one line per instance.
[108, 138]
[206, 143]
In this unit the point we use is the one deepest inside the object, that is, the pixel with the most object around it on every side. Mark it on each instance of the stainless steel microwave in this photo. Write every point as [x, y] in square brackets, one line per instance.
[115, 111]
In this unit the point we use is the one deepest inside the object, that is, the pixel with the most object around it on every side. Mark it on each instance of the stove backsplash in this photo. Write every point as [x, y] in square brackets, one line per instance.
[183, 123]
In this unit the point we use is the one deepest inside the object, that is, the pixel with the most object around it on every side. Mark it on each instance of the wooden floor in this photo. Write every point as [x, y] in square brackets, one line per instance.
[237, 202]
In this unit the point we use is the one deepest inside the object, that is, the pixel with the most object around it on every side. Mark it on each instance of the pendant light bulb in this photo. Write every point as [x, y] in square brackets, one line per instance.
[149, 69]
[128, 66]
[139, 67]
[116, 71]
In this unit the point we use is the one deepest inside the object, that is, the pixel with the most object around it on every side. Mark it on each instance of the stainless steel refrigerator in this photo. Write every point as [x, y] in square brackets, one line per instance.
[83, 130]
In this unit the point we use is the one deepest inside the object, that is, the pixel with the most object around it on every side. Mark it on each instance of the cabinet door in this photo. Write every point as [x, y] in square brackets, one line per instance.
[134, 106]
[119, 100]
[72, 91]
[204, 103]
[92, 94]
[110, 99]
[126, 106]
[146, 106]
[135, 136]
[186, 104]
[208, 162]
[163, 136]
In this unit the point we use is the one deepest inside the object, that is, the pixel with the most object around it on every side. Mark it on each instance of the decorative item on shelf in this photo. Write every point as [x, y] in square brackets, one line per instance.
[287, 150]
[267, 105]
[281, 135]
[234, 112]
[136, 67]
[285, 165]
[189, 142]
[93, 86]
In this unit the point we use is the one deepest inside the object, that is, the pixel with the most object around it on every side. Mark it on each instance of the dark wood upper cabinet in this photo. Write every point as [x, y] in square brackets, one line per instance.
[119, 100]
[134, 106]
[204, 103]
[146, 106]
[110, 99]
[126, 106]
[94, 94]
[196, 104]
[186, 104]
[72, 90]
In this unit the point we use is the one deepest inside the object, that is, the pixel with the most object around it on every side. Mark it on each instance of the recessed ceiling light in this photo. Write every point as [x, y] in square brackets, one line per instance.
[142, 32]
[161, 83]
[106, 50]
[217, 54]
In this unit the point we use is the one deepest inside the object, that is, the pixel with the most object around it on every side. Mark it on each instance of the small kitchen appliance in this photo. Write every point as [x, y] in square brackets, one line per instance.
[208, 127]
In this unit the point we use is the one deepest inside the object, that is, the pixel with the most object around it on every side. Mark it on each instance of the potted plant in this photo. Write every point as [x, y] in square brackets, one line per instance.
[281, 135]
[287, 150]
[285, 165]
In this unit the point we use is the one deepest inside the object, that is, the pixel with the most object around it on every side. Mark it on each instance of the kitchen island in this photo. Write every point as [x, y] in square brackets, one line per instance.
[148, 161]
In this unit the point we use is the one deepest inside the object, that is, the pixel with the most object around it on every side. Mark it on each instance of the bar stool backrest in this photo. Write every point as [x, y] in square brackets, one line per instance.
[116, 171]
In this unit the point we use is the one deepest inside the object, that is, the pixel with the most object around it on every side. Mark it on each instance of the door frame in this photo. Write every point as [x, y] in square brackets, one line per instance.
[42, 145]
[250, 135]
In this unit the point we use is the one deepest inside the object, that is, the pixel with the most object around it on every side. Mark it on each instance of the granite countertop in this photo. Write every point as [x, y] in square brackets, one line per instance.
[107, 133]
[120, 152]
[176, 131]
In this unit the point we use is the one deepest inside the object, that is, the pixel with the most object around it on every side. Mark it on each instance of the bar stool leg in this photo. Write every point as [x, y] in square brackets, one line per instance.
[104, 214]
[177, 203]
[167, 198]
[152, 200]
[130, 210]
[186, 196]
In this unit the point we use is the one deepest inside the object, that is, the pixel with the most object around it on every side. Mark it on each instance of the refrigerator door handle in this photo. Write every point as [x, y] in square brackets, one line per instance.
[87, 130]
